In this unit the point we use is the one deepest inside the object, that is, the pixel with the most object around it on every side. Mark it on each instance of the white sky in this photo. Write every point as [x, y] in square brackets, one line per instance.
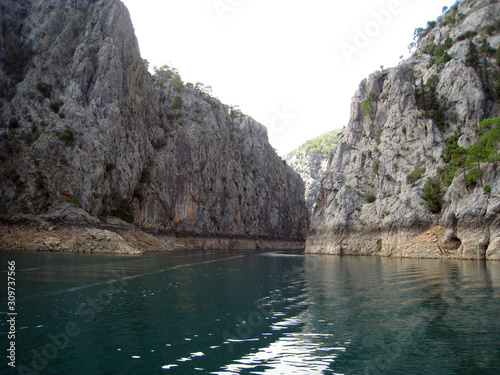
[293, 65]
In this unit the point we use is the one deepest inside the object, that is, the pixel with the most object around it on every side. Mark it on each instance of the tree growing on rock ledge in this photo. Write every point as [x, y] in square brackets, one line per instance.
[428, 101]
[477, 154]
[472, 57]
[367, 108]
[432, 195]
[176, 102]
[467, 160]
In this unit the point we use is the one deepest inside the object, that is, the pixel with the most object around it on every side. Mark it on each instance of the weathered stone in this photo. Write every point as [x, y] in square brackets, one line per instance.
[310, 165]
[377, 151]
[116, 148]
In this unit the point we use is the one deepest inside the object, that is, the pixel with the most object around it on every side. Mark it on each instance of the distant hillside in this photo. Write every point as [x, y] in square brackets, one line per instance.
[323, 144]
[310, 159]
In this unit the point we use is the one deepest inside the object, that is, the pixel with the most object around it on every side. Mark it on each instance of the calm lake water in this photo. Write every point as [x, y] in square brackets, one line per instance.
[251, 313]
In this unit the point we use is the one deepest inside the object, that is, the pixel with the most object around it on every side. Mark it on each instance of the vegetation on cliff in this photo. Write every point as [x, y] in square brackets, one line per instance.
[88, 135]
[323, 144]
[309, 161]
[468, 164]
[421, 148]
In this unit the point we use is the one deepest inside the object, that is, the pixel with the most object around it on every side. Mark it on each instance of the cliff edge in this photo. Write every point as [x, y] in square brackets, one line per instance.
[415, 171]
[90, 139]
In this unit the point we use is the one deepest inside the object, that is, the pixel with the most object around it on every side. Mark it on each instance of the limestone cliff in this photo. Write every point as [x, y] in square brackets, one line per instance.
[309, 161]
[88, 135]
[213, 171]
[405, 180]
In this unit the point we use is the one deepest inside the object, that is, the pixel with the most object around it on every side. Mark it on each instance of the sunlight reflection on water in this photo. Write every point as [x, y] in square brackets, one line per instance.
[291, 354]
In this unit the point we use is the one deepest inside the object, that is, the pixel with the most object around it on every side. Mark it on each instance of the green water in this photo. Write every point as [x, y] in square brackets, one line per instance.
[251, 313]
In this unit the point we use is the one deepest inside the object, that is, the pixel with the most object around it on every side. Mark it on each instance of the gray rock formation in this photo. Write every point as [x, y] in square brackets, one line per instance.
[310, 167]
[368, 204]
[82, 121]
[310, 160]
[213, 173]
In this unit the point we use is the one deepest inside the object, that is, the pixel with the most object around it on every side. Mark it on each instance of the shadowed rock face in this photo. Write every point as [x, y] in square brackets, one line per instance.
[309, 161]
[380, 148]
[83, 121]
[310, 167]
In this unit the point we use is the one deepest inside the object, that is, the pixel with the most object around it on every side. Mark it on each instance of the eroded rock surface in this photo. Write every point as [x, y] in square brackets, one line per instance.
[83, 123]
[367, 203]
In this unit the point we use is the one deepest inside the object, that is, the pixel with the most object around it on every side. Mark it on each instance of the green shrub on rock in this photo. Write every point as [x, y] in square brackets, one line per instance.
[432, 195]
[176, 102]
[13, 123]
[376, 165]
[367, 108]
[56, 105]
[67, 136]
[45, 89]
[415, 176]
[370, 197]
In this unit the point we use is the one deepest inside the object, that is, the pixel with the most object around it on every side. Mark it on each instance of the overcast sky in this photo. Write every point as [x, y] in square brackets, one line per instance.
[293, 65]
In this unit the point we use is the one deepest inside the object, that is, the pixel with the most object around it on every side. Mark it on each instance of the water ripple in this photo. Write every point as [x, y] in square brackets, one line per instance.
[264, 313]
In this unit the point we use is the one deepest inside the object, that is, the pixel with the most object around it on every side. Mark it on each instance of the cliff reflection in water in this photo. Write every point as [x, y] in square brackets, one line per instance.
[418, 316]
[257, 312]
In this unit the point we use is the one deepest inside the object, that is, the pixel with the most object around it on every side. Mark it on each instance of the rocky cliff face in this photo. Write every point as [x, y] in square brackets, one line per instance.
[310, 160]
[214, 172]
[413, 123]
[310, 167]
[88, 135]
